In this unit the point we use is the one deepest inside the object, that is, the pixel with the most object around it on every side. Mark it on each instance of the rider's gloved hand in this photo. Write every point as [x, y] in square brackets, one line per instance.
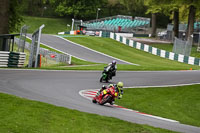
[103, 87]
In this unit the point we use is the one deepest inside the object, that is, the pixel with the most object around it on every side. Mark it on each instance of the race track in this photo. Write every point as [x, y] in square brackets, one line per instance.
[78, 51]
[62, 88]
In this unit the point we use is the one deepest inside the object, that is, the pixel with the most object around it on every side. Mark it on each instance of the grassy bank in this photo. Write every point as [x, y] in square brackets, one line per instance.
[145, 60]
[24, 116]
[177, 103]
[52, 25]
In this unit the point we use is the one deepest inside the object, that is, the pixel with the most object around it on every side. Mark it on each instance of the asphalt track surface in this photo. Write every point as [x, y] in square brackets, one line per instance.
[62, 88]
[76, 50]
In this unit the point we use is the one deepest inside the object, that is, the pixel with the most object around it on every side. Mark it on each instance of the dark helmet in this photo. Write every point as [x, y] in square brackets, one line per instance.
[114, 62]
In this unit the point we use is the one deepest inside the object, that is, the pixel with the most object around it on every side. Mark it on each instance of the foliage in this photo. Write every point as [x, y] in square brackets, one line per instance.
[84, 9]
[38, 8]
[78, 8]
[135, 7]
[15, 17]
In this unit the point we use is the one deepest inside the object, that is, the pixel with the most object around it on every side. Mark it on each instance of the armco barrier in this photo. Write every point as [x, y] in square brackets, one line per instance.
[155, 51]
[12, 59]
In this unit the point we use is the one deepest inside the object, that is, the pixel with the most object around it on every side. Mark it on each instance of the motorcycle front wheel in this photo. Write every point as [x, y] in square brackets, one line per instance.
[101, 79]
[94, 101]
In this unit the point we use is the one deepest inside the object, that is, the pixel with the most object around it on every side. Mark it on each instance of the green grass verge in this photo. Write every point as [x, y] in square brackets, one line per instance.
[145, 60]
[24, 116]
[167, 47]
[52, 25]
[178, 103]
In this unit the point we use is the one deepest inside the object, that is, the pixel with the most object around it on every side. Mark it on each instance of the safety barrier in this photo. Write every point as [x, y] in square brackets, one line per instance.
[58, 57]
[16, 59]
[12, 59]
[156, 51]
[4, 56]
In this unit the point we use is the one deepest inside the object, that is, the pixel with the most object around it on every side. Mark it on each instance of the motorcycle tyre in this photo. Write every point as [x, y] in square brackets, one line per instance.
[94, 101]
[108, 98]
[101, 79]
[107, 79]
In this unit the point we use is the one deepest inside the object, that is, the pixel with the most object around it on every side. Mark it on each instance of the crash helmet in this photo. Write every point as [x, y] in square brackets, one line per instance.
[110, 85]
[114, 62]
[120, 85]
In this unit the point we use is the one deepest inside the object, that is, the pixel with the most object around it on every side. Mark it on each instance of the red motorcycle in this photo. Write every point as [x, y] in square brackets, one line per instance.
[106, 96]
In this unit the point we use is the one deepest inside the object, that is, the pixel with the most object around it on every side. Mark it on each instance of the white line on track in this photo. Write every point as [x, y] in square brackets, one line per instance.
[162, 85]
[96, 51]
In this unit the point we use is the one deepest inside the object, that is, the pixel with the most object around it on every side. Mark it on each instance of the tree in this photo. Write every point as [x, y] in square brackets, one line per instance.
[15, 17]
[134, 7]
[176, 23]
[35, 7]
[114, 7]
[191, 20]
[78, 8]
[4, 16]
[10, 16]
[170, 6]
[153, 8]
[192, 5]
[166, 7]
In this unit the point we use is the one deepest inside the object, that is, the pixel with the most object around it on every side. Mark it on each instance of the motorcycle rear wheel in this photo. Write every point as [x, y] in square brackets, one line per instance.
[107, 79]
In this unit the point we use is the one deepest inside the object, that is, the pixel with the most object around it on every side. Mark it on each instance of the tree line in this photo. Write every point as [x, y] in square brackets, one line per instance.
[166, 11]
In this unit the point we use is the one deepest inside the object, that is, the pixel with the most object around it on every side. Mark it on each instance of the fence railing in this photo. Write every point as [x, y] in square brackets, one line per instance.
[64, 58]
[182, 47]
[58, 57]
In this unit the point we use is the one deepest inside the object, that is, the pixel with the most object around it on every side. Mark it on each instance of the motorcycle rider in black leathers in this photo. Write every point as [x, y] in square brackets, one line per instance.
[111, 69]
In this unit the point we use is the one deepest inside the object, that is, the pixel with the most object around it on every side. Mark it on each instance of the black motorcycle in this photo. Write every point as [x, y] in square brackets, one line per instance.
[106, 75]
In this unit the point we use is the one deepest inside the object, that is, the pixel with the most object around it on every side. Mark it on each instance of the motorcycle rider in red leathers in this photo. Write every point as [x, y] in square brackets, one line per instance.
[117, 87]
